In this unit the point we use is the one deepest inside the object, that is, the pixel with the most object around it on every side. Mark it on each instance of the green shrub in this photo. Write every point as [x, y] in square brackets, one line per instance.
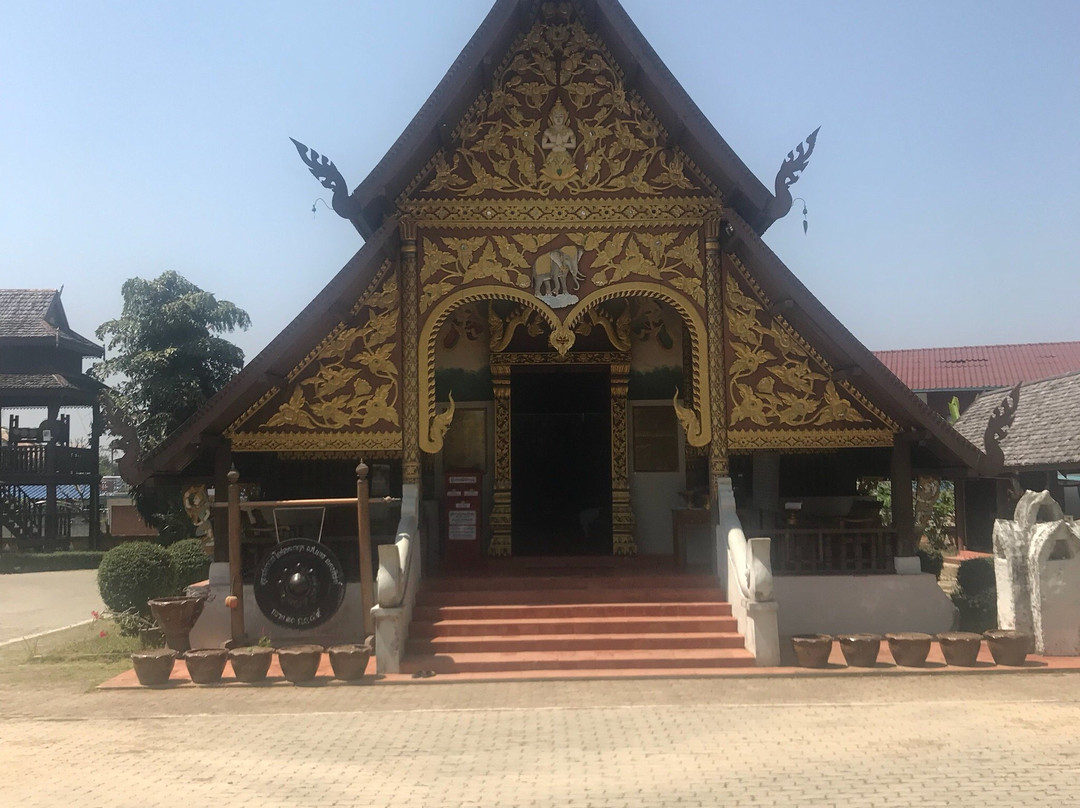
[189, 561]
[50, 562]
[931, 561]
[976, 595]
[133, 573]
[976, 575]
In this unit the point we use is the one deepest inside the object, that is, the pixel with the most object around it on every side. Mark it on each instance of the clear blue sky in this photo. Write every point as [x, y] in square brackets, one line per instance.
[944, 194]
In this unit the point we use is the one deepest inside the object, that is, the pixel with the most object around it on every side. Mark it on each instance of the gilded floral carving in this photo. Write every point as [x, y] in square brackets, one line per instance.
[774, 378]
[559, 120]
[606, 258]
[350, 382]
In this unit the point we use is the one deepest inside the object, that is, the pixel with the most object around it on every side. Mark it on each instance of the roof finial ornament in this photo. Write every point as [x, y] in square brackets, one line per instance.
[323, 169]
[788, 175]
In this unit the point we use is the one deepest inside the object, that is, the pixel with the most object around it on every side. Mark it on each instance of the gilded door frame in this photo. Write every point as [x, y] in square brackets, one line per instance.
[618, 365]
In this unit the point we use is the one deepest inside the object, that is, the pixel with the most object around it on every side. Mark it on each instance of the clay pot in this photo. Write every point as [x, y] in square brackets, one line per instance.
[960, 647]
[1008, 647]
[300, 662]
[909, 648]
[154, 665]
[349, 661]
[206, 665]
[860, 650]
[177, 617]
[251, 663]
[812, 650]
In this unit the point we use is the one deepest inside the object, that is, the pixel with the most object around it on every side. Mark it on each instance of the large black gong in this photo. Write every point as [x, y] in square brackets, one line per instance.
[300, 584]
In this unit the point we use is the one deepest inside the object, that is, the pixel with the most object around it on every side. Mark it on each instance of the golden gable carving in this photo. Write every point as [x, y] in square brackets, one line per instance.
[343, 395]
[775, 379]
[559, 120]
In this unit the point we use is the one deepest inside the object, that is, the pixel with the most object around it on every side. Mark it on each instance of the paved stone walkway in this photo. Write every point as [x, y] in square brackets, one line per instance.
[869, 741]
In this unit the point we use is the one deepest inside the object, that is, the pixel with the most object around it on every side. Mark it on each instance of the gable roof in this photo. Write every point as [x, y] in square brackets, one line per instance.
[36, 317]
[1045, 433]
[981, 367]
[471, 74]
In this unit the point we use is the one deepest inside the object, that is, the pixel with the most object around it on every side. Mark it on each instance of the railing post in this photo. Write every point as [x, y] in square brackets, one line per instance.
[363, 534]
[236, 577]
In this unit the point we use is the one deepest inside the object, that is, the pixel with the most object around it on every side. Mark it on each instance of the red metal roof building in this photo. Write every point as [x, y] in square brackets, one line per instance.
[938, 374]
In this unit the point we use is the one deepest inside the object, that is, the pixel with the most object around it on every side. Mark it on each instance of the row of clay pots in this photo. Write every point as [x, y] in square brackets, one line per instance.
[299, 663]
[909, 649]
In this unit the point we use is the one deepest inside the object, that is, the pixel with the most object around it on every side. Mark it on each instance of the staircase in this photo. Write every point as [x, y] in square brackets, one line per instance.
[550, 615]
[24, 518]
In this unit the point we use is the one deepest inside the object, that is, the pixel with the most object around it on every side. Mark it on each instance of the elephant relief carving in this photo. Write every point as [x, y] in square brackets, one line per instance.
[552, 274]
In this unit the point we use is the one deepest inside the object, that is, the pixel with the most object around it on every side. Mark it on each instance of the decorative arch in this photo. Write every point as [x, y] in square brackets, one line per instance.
[697, 420]
[431, 439]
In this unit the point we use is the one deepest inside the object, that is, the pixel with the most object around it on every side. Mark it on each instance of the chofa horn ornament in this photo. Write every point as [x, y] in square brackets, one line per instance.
[690, 421]
[440, 424]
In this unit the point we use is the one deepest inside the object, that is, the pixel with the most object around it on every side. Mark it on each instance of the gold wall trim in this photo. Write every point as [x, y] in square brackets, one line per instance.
[363, 454]
[801, 439]
[320, 441]
[478, 214]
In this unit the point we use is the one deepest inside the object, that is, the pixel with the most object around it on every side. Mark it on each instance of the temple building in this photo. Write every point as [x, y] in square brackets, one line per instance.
[564, 299]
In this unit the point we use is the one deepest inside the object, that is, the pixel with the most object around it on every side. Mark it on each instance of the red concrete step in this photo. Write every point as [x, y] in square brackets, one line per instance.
[649, 624]
[578, 660]
[534, 611]
[521, 597]
[455, 645]
[466, 583]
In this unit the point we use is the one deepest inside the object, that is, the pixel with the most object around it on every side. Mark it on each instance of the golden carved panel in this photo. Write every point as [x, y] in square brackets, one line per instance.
[745, 439]
[779, 384]
[315, 442]
[671, 256]
[565, 213]
[558, 120]
[344, 394]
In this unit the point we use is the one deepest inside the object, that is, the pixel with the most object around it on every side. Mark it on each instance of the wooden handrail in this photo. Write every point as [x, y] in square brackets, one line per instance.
[295, 503]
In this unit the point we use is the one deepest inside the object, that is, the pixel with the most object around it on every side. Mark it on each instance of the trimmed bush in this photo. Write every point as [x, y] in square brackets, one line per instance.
[50, 562]
[133, 573]
[189, 562]
[976, 595]
[931, 561]
[976, 575]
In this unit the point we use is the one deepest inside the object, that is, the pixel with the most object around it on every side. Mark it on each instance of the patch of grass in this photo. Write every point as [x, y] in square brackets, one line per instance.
[77, 659]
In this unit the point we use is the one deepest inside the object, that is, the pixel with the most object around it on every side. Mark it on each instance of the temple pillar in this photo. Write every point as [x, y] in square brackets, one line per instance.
[622, 515]
[766, 489]
[410, 304]
[717, 392]
[903, 501]
[219, 517]
[95, 485]
[500, 512]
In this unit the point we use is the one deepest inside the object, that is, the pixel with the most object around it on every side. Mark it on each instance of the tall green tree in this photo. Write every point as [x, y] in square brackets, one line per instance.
[167, 359]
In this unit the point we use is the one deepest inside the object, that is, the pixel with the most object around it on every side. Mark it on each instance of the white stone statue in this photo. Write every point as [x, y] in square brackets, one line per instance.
[1037, 571]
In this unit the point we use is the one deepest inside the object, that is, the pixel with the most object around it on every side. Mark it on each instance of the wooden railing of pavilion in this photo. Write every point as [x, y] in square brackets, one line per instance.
[47, 459]
[828, 551]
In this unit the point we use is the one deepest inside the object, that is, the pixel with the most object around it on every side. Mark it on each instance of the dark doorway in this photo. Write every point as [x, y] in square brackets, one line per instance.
[560, 438]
